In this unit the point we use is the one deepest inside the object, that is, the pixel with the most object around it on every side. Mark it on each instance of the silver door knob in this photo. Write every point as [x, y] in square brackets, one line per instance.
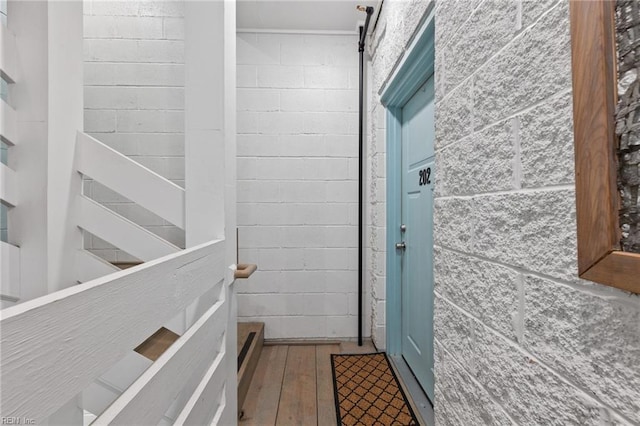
[401, 246]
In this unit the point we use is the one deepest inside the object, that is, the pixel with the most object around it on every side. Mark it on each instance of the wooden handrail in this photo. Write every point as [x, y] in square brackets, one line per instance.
[244, 270]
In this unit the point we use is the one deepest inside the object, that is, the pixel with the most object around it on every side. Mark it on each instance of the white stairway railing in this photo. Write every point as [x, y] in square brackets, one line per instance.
[190, 357]
[76, 352]
[137, 183]
[117, 172]
[9, 254]
[76, 334]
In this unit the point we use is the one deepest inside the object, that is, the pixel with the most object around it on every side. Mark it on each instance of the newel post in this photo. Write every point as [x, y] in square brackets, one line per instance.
[210, 150]
[66, 113]
[47, 96]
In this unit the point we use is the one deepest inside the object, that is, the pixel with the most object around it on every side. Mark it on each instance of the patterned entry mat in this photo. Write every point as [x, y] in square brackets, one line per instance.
[367, 392]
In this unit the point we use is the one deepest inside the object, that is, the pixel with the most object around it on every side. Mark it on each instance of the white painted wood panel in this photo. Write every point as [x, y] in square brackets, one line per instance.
[76, 334]
[29, 222]
[204, 111]
[98, 396]
[8, 124]
[89, 266]
[122, 233]
[146, 401]
[10, 271]
[7, 54]
[8, 186]
[116, 171]
[65, 118]
[126, 371]
[208, 400]
[105, 390]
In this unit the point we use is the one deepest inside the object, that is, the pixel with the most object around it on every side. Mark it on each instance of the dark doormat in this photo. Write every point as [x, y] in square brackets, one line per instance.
[367, 391]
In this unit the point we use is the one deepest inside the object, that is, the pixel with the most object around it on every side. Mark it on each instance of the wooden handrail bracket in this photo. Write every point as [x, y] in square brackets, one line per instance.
[244, 270]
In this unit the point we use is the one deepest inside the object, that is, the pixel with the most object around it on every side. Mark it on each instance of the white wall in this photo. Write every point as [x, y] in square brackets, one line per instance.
[297, 183]
[519, 338]
[376, 216]
[134, 98]
[3, 148]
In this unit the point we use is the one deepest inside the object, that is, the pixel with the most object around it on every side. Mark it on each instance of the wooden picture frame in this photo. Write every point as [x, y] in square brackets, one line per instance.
[594, 98]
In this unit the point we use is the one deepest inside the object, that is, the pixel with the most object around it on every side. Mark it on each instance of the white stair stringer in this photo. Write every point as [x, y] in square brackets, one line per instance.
[122, 233]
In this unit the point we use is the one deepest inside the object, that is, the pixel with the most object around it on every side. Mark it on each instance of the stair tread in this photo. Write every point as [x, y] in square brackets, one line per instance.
[157, 343]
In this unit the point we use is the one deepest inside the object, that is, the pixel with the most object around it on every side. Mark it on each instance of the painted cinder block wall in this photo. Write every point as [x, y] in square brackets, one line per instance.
[134, 99]
[297, 183]
[519, 338]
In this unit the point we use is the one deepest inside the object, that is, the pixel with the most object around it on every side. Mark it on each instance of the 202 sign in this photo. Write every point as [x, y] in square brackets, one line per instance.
[425, 176]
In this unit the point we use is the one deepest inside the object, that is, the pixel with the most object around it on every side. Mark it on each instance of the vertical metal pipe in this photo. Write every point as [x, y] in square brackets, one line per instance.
[360, 181]
[361, 43]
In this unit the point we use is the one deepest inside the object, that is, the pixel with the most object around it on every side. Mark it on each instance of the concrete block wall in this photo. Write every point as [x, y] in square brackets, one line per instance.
[519, 338]
[134, 99]
[297, 183]
[375, 275]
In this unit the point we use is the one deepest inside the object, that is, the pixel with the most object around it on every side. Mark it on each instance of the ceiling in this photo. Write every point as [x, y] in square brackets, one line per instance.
[301, 15]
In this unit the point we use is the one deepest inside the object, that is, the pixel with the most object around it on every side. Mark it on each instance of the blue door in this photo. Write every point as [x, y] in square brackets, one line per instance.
[418, 176]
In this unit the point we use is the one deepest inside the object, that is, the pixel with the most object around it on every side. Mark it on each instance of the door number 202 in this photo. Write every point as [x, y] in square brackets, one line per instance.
[425, 176]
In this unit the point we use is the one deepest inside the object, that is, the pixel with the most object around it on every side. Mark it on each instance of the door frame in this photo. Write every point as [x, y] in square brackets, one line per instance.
[414, 70]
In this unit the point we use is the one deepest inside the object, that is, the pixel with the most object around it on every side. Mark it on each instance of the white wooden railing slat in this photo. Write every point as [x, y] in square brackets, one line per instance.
[76, 334]
[122, 233]
[10, 271]
[97, 397]
[7, 54]
[8, 124]
[117, 172]
[8, 186]
[89, 266]
[105, 390]
[208, 399]
[146, 400]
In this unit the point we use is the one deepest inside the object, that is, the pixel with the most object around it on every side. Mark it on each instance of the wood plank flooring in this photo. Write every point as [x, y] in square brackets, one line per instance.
[292, 385]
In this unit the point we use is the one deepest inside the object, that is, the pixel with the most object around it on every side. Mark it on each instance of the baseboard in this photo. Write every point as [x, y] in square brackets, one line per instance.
[307, 342]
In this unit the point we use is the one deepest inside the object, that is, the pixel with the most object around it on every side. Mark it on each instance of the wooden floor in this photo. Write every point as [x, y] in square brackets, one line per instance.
[292, 385]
